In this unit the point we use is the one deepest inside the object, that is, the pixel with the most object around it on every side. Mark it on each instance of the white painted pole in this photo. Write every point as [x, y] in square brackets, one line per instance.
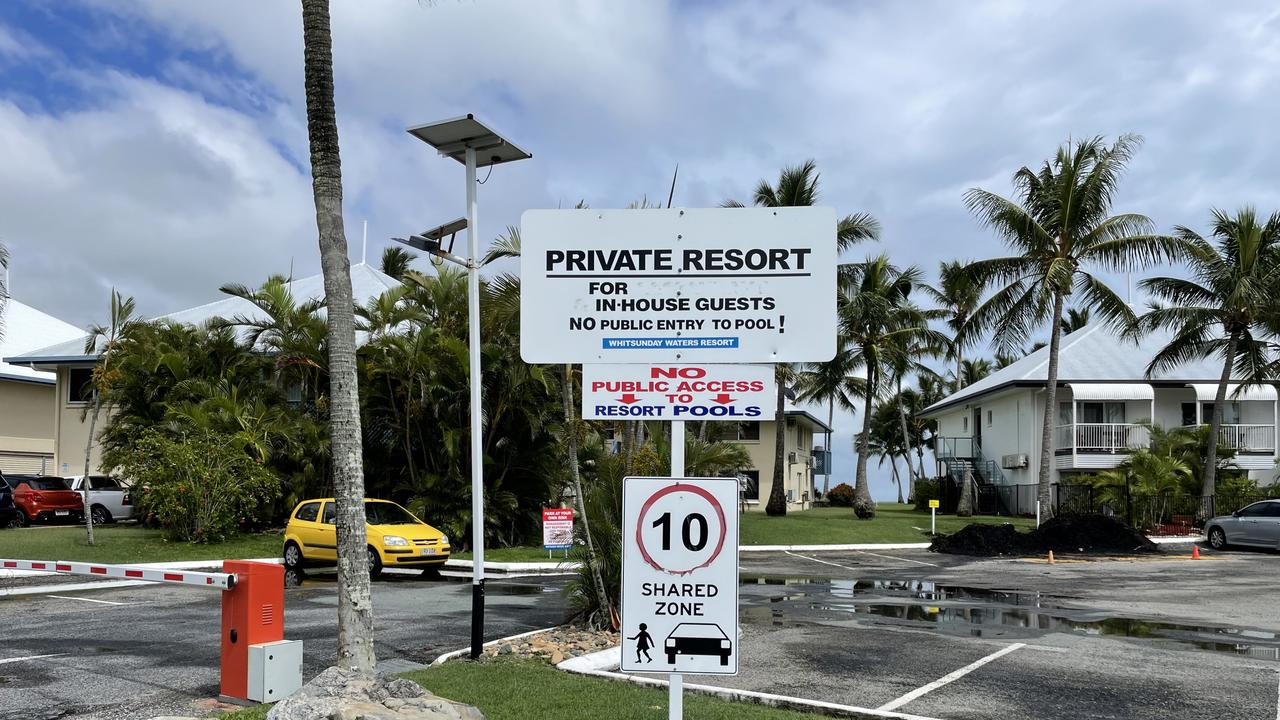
[1037, 513]
[477, 451]
[675, 690]
[933, 521]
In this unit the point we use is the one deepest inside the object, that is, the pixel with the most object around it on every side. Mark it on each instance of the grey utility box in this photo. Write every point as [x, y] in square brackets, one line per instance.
[275, 670]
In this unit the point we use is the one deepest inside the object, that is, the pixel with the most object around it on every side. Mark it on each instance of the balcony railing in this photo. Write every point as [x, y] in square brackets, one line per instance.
[1249, 438]
[1102, 437]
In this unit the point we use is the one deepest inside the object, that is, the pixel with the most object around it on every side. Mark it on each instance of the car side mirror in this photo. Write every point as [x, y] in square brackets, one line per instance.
[1235, 514]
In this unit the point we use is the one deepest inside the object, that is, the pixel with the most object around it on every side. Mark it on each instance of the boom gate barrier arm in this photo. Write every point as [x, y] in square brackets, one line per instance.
[252, 614]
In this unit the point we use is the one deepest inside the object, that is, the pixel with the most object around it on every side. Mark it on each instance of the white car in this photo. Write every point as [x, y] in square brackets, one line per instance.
[109, 499]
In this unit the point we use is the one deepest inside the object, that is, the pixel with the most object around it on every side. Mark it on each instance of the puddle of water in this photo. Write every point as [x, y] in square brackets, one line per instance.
[302, 579]
[983, 612]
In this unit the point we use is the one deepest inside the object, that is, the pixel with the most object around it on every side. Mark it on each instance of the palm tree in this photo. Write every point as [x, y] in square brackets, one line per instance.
[834, 383]
[1076, 319]
[102, 341]
[797, 186]
[291, 331]
[1058, 226]
[1221, 310]
[959, 296]
[355, 605]
[971, 371]
[396, 261]
[877, 317]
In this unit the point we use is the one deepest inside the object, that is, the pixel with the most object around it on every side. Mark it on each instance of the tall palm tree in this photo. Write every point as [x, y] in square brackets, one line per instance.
[102, 341]
[834, 383]
[958, 296]
[1221, 310]
[396, 261]
[1076, 319]
[797, 186]
[971, 371]
[355, 604]
[1057, 227]
[877, 316]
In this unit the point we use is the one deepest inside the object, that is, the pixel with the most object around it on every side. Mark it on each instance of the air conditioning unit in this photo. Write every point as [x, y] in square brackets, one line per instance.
[1013, 462]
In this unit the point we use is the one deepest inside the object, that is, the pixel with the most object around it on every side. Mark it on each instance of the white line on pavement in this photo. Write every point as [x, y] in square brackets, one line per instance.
[4, 661]
[824, 562]
[103, 602]
[72, 587]
[890, 557]
[950, 678]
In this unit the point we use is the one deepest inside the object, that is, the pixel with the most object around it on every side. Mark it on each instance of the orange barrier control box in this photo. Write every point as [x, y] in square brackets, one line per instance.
[252, 614]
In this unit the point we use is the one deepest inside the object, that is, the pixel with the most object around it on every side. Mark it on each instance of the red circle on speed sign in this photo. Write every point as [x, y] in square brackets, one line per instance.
[644, 510]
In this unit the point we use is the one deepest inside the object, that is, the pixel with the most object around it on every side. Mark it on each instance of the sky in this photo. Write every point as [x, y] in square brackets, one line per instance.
[160, 148]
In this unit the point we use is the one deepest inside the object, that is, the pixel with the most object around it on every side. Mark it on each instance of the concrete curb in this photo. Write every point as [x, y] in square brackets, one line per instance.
[1179, 540]
[451, 655]
[603, 663]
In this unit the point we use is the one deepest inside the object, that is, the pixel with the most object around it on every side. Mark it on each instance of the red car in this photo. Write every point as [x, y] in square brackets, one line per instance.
[45, 499]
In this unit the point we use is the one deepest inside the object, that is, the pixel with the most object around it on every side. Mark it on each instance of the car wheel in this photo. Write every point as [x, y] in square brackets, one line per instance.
[101, 516]
[19, 520]
[292, 555]
[1217, 538]
[375, 563]
[431, 573]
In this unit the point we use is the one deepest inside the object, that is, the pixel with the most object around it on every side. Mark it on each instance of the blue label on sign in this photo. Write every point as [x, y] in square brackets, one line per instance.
[672, 343]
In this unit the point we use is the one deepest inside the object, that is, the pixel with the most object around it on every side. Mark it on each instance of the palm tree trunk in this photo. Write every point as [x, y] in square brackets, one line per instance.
[355, 602]
[571, 437]
[88, 450]
[1209, 487]
[863, 507]
[1050, 411]
[897, 479]
[777, 505]
[959, 368]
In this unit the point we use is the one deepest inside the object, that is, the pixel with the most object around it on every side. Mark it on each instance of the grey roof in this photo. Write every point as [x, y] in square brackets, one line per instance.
[26, 328]
[1094, 353]
[366, 283]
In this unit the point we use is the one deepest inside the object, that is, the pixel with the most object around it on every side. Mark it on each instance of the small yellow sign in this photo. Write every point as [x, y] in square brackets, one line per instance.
[935, 503]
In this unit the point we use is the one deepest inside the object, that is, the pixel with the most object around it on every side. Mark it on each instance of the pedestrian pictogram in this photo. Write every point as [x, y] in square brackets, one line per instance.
[680, 575]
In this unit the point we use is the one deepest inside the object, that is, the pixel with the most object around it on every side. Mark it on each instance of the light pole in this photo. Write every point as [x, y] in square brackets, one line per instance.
[471, 143]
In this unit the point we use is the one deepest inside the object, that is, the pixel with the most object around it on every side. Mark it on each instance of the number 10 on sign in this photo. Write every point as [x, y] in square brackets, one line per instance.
[680, 575]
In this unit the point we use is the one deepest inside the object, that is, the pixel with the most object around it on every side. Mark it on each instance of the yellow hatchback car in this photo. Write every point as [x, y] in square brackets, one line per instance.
[396, 538]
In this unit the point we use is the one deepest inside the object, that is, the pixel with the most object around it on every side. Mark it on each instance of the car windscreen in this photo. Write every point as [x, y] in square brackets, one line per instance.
[48, 483]
[385, 513]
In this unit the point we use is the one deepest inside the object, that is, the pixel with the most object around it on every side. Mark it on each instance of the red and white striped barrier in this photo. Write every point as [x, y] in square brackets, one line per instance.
[216, 581]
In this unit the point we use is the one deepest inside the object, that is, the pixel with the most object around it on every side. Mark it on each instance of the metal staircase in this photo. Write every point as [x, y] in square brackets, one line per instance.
[959, 455]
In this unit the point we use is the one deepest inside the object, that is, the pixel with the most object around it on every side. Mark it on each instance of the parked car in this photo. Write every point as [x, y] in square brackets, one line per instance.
[44, 499]
[109, 499]
[1256, 525]
[8, 511]
[396, 538]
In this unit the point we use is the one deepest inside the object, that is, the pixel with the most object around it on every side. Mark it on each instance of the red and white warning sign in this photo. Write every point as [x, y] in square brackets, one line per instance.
[557, 528]
[680, 575]
[685, 392]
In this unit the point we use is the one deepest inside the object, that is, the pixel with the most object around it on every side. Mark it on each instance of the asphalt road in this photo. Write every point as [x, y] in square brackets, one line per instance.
[924, 635]
[1133, 639]
[141, 652]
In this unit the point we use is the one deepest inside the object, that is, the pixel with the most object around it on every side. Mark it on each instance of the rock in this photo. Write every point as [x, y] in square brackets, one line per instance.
[557, 657]
[342, 694]
[506, 649]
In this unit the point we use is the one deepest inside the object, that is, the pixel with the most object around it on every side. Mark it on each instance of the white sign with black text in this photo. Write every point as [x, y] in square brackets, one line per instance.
[699, 285]
[680, 575]
[728, 393]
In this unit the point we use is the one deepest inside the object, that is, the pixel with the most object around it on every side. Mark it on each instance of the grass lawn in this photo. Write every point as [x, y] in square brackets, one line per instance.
[506, 689]
[823, 526]
[127, 544]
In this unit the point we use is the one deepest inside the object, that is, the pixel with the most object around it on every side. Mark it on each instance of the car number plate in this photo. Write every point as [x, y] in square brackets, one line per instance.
[428, 551]
[61, 512]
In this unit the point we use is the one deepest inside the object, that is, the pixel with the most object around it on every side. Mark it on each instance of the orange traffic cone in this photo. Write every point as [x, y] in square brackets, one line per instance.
[1051, 557]
[1195, 552]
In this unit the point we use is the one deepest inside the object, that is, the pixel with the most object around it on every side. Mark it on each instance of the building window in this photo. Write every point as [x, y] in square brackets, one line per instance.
[966, 423]
[800, 433]
[1230, 413]
[749, 431]
[1188, 414]
[80, 385]
[1064, 413]
[1101, 412]
[750, 484]
[990, 416]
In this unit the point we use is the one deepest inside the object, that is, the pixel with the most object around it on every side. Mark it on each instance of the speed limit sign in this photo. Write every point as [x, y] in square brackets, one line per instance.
[680, 575]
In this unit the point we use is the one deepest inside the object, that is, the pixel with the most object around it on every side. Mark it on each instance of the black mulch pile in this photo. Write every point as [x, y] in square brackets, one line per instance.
[1077, 534]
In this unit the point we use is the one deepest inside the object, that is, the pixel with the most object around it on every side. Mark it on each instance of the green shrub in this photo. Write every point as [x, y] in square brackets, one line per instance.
[198, 486]
[841, 495]
[925, 490]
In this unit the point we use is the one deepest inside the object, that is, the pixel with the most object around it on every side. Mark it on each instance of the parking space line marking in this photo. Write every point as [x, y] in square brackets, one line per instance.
[824, 562]
[72, 597]
[890, 557]
[951, 677]
[5, 661]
